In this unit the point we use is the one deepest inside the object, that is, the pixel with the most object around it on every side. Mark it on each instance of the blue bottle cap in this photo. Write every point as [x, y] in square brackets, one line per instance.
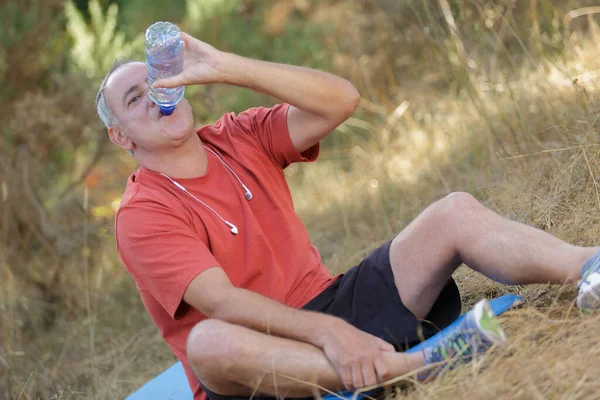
[167, 110]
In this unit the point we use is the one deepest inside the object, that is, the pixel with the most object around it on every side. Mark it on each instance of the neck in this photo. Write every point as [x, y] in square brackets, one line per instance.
[189, 160]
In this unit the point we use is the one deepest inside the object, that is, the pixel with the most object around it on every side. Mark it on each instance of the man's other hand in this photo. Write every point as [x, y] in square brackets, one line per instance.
[356, 355]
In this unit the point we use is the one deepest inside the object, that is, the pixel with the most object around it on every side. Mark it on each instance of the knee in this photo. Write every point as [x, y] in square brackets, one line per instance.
[209, 348]
[457, 206]
[460, 200]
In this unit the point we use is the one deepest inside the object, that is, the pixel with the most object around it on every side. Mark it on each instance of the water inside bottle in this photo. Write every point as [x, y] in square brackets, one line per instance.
[164, 58]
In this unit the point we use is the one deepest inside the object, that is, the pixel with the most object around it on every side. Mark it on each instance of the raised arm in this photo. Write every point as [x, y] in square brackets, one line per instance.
[320, 101]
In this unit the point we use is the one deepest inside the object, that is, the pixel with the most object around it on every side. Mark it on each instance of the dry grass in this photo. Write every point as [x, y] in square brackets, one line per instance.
[527, 148]
[552, 354]
[522, 138]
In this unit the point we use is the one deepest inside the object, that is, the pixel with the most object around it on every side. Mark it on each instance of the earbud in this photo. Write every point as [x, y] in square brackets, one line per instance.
[233, 229]
[248, 194]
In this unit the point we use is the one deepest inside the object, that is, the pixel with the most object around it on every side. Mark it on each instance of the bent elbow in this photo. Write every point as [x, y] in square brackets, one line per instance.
[352, 101]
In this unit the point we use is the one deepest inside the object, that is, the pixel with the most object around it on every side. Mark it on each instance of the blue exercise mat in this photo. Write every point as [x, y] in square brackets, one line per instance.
[172, 383]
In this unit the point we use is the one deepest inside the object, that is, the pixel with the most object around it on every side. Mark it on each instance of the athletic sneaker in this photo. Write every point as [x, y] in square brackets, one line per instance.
[474, 334]
[588, 298]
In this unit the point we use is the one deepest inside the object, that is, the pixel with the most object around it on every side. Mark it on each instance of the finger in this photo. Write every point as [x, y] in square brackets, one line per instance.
[382, 369]
[357, 378]
[385, 346]
[174, 81]
[368, 372]
[346, 375]
[186, 38]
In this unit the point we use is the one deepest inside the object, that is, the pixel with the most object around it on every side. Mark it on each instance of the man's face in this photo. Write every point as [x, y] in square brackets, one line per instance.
[141, 124]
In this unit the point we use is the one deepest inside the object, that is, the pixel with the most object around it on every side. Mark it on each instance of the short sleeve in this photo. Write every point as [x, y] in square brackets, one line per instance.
[269, 127]
[161, 251]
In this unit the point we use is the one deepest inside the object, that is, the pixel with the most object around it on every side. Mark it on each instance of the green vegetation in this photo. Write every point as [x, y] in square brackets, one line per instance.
[497, 98]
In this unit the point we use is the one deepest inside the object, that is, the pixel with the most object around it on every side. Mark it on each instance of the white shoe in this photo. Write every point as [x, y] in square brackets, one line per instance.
[588, 299]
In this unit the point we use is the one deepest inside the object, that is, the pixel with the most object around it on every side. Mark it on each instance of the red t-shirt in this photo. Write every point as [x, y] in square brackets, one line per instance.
[166, 238]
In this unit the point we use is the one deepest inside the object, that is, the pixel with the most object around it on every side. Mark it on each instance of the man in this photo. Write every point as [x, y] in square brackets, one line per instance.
[226, 270]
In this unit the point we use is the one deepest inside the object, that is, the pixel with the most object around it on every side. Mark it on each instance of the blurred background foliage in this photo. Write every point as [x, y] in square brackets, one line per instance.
[449, 89]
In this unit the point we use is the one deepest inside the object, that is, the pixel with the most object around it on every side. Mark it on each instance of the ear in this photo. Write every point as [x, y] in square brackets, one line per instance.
[117, 136]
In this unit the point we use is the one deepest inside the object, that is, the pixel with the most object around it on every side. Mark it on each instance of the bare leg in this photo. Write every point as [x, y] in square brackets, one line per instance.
[458, 229]
[234, 360]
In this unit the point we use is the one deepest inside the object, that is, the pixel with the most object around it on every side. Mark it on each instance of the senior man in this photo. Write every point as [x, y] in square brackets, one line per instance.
[226, 269]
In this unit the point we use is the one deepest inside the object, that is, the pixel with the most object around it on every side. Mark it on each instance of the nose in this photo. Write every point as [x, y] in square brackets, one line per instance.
[151, 104]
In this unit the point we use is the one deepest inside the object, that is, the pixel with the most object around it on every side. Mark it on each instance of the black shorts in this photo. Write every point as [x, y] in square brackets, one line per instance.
[366, 297]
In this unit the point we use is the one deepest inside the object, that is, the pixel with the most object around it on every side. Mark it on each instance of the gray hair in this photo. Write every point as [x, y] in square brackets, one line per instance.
[104, 111]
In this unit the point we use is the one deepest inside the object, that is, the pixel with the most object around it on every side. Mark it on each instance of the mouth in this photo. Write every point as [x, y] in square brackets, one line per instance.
[161, 115]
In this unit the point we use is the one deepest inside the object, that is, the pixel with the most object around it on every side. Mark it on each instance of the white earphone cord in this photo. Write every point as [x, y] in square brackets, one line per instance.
[247, 194]
[234, 228]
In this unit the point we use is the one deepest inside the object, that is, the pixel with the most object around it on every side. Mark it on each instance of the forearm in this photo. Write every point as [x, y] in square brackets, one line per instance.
[313, 91]
[249, 309]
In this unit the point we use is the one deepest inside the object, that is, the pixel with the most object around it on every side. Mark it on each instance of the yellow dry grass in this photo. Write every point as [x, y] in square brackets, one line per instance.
[552, 354]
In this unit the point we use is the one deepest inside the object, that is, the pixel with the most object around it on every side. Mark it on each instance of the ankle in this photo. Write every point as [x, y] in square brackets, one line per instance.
[590, 258]
[403, 363]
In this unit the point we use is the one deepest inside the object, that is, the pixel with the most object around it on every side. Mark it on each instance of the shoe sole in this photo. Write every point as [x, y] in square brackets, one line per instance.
[487, 323]
[588, 299]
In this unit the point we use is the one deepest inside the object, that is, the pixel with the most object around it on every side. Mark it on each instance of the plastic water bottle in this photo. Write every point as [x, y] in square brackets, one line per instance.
[164, 59]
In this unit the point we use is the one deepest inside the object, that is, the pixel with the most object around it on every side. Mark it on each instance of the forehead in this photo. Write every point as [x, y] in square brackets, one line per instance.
[122, 79]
